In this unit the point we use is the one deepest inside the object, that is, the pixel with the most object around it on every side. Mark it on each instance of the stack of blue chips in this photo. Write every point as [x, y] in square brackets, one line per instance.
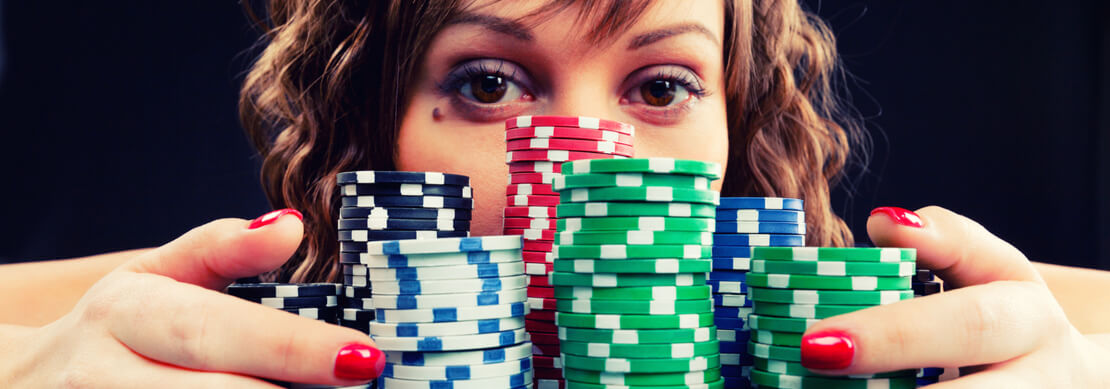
[743, 223]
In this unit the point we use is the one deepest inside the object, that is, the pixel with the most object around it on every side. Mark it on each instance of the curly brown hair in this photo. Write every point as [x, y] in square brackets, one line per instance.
[327, 93]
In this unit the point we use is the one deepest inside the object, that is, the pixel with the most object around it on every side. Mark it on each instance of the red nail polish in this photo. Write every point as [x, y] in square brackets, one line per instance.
[273, 216]
[901, 216]
[829, 350]
[359, 362]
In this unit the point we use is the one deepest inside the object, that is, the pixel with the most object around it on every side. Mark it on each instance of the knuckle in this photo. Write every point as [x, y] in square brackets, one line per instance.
[79, 374]
[191, 333]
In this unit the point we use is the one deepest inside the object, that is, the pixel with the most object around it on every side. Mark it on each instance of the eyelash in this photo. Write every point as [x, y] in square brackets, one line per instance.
[681, 78]
[468, 71]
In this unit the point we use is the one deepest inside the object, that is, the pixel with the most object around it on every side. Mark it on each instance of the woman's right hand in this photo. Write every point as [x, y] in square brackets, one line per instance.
[160, 320]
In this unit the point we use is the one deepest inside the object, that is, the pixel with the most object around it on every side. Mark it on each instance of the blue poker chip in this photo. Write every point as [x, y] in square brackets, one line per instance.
[731, 263]
[735, 372]
[732, 312]
[760, 203]
[749, 240]
[761, 215]
[731, 300]
[730, 251]
[357, 236]
[375, 177]
[461, 358]
[741, 359]
[404, 224]
[726, 335]
[457, 372]
[404, 213]
[930, 372]
[407, 201]
[728, 275]
[399, 189]
[760, 228]
[735, 382]
[730, 323]
[923, 275]
[515, 381]
[734, 347]
[718, 286]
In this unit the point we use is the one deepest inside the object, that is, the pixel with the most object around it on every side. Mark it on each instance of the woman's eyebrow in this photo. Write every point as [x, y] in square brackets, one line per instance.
[496, 24]
[653, 36]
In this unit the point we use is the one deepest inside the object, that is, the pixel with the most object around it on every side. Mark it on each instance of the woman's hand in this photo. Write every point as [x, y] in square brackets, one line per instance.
[998, 316]
[159, 320]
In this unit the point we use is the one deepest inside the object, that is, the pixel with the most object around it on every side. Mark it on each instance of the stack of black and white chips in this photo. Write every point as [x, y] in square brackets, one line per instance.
[924, 284]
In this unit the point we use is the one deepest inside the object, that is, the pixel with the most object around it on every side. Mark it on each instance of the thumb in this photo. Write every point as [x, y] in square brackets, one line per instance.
[217, 253]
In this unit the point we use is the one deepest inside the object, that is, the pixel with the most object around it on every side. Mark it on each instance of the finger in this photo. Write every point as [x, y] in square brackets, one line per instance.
[960, 250]
[156, 374]
[970, 326]
[215, 254]
[990, 379]
[192, 327]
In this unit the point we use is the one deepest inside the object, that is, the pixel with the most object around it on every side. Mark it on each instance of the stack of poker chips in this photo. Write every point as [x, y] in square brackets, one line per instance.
[449, 312]
[924, 284]
[536, 146]
[390, 205]
[795, 287]
[315, 301]
[743, 223]
[631, 256]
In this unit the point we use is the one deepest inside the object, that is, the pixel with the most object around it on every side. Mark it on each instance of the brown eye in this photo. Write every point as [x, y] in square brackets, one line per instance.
[488, 88]
[658, 92]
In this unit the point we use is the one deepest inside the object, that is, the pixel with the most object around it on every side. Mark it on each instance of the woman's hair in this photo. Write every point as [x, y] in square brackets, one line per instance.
[328, 92]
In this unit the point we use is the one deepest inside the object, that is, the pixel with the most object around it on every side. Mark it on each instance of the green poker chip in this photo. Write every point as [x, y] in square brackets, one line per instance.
[791, 339]
[775, 380]
[635, 293]
[633, 322]
[607, 209]
[654, 194]
[662, 265]
[795, 368]
[780, 324]
[572, 181]
[641, 223]
[797, 281]
[835, 268]
[643, 365]
[767, 351]
[612, 336]
[804, 311]
[635, 237]
[844, 254]
[628, 251]
[642, 379]
[639, 351]
[570, 384]
[618, 280]
[831, 297]
[633, 307]
[710, 170]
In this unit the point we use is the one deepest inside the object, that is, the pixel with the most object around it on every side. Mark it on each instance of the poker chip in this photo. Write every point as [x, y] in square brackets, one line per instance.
[538, 269]
[761, 203]
[449, 286]
[923, 275]
[633, 293]
[373, 235]
[795, 368]
[529, 223]
[569, 121]
[777, 380]
[761, 215]
[832, 297]
[644, 379]
[530, 189]
[732, 312]
[461, 358]
[620, 251]
[643, 223]
[538, 212]
[536, 326]
[450, 343]
[926, 288]
[719, 384]
[541, 303]
[375, 177]
[782, 353]
[519, 380]
[297, 302]
[431, 259]
[645, 165]
[556, 155]
[633, 322]
[636, 180]
[777, 339]
[633, 337]
[728, 275]
[548, 292]
[459, 272]
[568, 133]
[407, 201]
[404, 213]
[535, 167]
[760, 228]
[439, 315]
[430, 301]
[625, 279]
[532, 201]
[327, 314]
[652, 307]
[450, 245]
[733, 335]
[641, 193]
[637, 351]
[404, 224]
[780, 324]
[537, 245]
[852, 254]
[405, 190]
[636, 237]
[593, 146]
[730, 287]
[834, 268]
[730, 263]
[605, 209]
[547, 362]
[456, 372]
[804, 311]
[795, 281]
[748, 241]
[532, 178]
[532, 234]
[642, 365]
[359, 303]
[271, 289]
[731, 300]
[669, 265]
[538, 256]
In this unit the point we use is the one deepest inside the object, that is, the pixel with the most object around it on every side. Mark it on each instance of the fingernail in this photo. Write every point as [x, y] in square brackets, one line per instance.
[829, 350]
[273, 216]
[359, 362]
[901, 216]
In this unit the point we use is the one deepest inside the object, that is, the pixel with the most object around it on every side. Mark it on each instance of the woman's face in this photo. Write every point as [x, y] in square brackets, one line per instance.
[455, 124]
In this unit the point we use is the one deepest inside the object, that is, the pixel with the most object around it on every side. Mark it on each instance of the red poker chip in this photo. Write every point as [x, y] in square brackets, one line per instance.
[529, 223]
[542, 303]
[530, 189]
[568, 133]
[545, 338]
[556, 155]
[548, 362]
[546, 234]
[538, 245]
[547, 373]
[542, 212]
[535, 167]
[532, 178]
[569, 121]
[532, 201]
[541, 292]
[540, 327]
[539, 281]
[541, 315]
[592, 146]
[538, 256]
[538, 269]
[550, 350]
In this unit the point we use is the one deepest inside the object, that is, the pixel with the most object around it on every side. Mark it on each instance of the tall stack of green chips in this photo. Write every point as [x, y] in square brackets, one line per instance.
[632, 250]
[794, 287]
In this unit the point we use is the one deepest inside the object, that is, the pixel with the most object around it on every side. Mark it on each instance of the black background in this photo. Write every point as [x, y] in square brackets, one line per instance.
[120, 128]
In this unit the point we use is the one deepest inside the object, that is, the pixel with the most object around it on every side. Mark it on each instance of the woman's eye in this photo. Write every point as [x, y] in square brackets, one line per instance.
[660, 93]
[490, 89]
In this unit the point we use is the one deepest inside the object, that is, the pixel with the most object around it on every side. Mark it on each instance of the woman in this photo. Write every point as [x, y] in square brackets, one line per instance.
[374, 85]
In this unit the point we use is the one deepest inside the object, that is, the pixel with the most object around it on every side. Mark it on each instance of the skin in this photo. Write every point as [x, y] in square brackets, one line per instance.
[110, 335]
